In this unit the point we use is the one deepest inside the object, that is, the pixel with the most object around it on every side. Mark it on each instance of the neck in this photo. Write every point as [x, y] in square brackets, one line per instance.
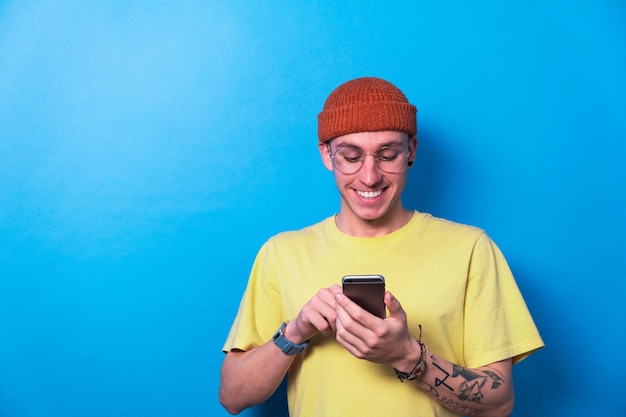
[354, 226]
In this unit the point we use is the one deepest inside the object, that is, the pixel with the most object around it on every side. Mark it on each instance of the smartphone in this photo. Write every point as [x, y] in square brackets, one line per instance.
[368, 291]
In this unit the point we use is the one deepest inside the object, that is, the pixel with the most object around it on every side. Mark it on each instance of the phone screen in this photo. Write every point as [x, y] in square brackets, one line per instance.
[368, 291]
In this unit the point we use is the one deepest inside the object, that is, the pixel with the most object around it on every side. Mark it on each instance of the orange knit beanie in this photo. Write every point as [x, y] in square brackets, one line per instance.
[366, 104]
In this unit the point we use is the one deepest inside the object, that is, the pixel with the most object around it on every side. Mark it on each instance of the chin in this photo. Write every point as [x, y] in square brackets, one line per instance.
[371, 215]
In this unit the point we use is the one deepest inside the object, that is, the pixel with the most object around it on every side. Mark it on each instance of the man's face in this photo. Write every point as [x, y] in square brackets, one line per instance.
[372, 193]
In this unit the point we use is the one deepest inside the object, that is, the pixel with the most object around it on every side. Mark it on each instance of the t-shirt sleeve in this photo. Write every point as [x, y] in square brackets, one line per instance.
[259, 312]
[497, 324]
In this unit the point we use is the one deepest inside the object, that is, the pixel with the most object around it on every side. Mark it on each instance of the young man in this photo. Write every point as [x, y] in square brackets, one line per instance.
[462, 322]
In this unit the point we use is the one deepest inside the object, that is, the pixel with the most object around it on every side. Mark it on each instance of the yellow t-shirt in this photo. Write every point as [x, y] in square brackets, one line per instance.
[450, 278]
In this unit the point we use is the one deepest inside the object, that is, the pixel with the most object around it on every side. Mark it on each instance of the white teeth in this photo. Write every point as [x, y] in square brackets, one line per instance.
[369, 194]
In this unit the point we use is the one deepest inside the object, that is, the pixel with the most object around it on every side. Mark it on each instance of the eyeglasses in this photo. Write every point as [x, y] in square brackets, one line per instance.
[349, 159]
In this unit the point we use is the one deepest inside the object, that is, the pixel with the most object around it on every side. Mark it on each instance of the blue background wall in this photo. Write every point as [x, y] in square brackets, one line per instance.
[148, 149]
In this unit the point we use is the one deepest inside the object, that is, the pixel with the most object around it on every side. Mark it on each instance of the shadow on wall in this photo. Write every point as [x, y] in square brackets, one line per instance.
[534, 376]
[426, 180]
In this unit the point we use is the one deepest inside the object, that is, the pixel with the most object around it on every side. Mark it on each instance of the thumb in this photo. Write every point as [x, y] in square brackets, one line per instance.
[394, 306]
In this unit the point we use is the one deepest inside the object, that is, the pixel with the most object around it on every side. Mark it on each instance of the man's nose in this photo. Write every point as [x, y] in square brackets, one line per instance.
[370, 172]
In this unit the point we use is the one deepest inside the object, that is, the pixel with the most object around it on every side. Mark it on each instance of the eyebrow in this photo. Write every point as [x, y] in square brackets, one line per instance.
[383, 145]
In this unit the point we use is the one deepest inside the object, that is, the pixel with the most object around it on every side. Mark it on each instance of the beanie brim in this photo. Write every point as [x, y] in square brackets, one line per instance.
[367, 117]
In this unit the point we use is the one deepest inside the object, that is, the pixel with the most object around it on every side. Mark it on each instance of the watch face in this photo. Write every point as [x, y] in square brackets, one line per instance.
[286, 346]
[279, 332]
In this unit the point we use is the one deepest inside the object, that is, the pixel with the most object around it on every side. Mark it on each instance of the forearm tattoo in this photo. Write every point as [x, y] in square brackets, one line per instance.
[470, 388]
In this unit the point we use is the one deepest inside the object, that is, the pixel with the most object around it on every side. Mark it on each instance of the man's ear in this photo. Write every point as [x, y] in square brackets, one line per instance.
[412, 149]
[326, 159]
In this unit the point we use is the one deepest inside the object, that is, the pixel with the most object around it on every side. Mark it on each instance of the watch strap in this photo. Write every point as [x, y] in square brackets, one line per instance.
[285, 345]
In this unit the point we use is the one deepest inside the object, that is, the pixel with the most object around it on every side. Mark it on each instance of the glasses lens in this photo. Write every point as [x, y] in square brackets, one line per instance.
[350, 160]
[391, 160]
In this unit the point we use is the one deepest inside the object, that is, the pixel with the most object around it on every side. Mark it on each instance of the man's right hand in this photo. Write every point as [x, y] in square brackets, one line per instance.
[317, 315]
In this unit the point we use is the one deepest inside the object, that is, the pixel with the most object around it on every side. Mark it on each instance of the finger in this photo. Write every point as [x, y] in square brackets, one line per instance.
[355, 318]
[394, 306]
[344, 304]
[317, 315]
[324, 317]
[335, 289]
[346, 338]
[327, 295]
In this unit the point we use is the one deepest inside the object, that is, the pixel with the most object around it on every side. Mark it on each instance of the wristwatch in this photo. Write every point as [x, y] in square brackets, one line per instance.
[287, 346]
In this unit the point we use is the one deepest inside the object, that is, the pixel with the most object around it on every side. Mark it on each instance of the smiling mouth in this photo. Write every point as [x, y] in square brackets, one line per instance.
[369, 194]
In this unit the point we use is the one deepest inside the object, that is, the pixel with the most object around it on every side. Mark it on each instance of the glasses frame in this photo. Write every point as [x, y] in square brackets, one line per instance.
[376, 156]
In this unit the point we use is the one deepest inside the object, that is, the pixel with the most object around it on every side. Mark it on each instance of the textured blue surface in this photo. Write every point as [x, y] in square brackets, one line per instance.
[148, 149]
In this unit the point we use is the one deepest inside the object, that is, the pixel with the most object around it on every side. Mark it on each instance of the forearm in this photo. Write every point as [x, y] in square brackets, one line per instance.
[486, 391]
[246, 378]
[251, 377]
